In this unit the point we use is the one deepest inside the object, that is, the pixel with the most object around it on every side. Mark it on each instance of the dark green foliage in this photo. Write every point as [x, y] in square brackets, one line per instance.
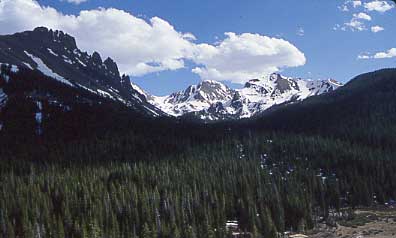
[364, 110]
[268, 183]
[103, 171]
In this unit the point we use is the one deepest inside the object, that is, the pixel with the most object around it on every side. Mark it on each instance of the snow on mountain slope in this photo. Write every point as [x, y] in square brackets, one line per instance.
[4, 78]
[211, 100]
[139, 93]
[55, 54]
[3, 98]
[41, 66]
[194, 98]
[259, 95]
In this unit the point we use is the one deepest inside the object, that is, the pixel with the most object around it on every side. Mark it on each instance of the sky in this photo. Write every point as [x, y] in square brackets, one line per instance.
[166, 45]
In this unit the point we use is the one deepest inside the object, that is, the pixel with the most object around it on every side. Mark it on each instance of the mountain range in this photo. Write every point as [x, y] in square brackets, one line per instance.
[87, 153]
[55, 55]
[211, 100]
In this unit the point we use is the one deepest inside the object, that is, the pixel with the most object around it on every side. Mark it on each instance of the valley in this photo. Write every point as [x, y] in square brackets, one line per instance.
[85, 152]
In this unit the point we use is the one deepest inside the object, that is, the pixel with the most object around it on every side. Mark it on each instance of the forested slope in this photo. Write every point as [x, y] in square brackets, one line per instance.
[126, 175]
[364, 110]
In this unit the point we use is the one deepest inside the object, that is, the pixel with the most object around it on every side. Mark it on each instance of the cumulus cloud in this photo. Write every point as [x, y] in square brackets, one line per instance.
[76, 1]
[391, 53]
[357, 22]
[363, 56]
[356, 3]
[138, 46]
[376, 29]
[359, 19]
[354, 25]
[141, 47]
[349, 3]
[362, 15]
[379, 6]
[241, 57]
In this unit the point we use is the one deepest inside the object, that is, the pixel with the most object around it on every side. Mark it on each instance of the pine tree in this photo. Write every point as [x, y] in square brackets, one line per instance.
[146, 232]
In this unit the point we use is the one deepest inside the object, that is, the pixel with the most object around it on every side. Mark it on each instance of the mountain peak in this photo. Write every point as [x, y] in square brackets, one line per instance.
[41, 29]
[334, 82]
[275, 77]
[213, 100]
[43, 33]
[272, 78]
[194, 98]
[111, 66]
[56, 56]
[96, 58]
[208, 81]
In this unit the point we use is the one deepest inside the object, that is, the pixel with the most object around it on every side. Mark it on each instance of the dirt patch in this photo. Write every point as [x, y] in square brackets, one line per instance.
[366, 224]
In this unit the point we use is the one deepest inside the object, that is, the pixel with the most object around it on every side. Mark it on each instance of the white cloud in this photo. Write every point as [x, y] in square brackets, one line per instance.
[356, 23]
[141, 47]
[376, 29]
[242, 57]
[363, 56]
[300, 31]
[362, 15]
[76, 1]
[379, 6]
[338, 27]
[356, 4]
[391, 53]
[349, 3]
[343, 8]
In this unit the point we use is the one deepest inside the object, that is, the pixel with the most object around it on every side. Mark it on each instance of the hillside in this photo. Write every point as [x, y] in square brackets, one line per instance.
[364, 110]
[76, 163]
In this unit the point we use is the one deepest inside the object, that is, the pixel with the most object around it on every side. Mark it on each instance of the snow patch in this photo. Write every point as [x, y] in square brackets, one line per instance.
[39, 105]
[27, 65]
[52, 52]
[67, 60]
[88, 89]
[82, 63]
[3, 98]
[14, 68]
[41, 66]
[39, 117]
[138, 89]
[105, 94]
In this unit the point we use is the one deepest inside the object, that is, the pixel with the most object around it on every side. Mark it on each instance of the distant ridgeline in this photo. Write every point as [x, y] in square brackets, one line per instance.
[87, 155]
[211, 100]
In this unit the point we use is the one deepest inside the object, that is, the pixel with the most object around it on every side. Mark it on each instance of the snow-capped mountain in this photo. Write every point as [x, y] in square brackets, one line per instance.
[55, 55]
[194, 98]
[211, 100]
[51, 59]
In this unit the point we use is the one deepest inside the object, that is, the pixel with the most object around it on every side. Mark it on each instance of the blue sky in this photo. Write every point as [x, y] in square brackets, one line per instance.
[316, 27]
